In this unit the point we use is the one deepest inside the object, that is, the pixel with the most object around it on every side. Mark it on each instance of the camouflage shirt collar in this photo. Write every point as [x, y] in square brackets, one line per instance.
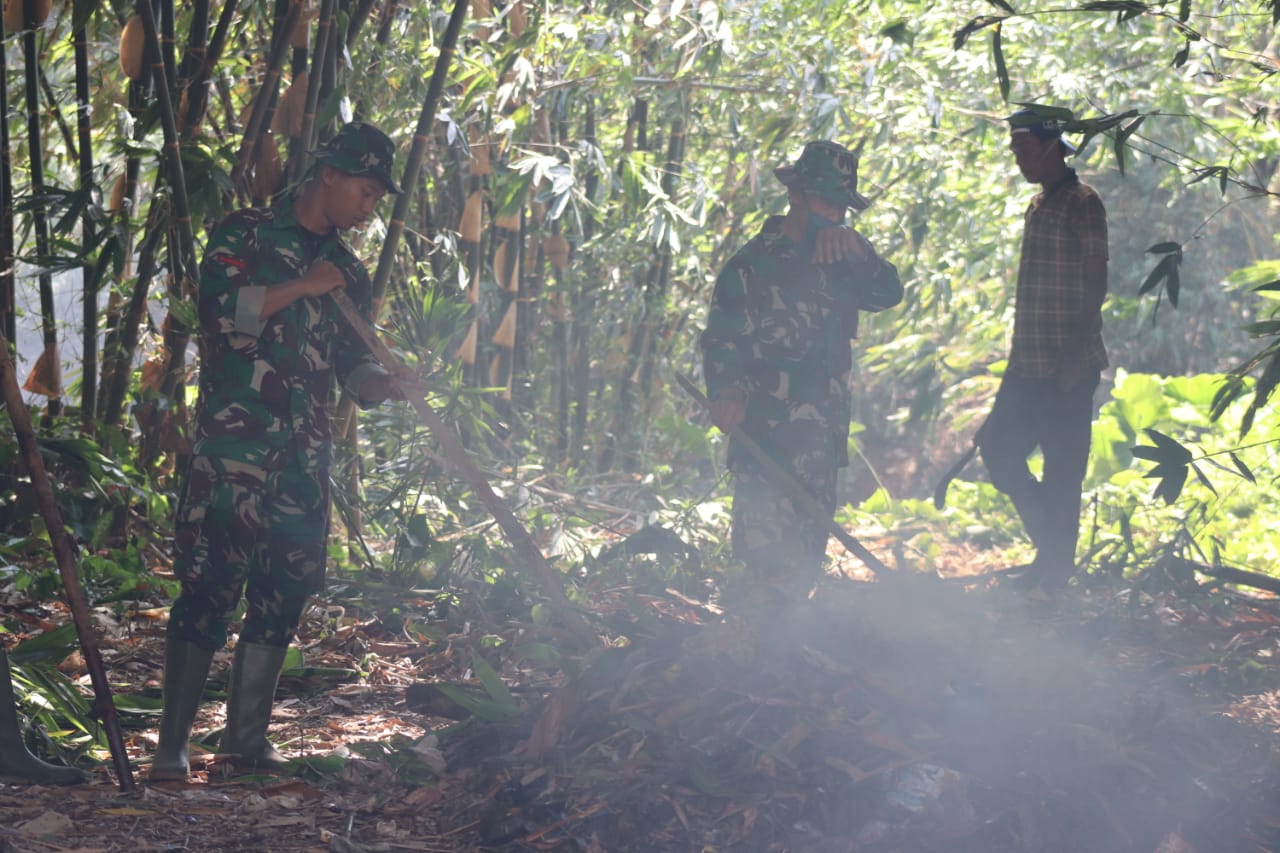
[286, 216]
[776, 239]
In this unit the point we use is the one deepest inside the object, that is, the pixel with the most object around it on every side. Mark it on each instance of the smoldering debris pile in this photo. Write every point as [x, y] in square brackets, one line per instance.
[874, 717]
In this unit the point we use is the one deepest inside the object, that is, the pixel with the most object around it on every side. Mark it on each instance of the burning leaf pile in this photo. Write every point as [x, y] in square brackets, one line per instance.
[878, 717]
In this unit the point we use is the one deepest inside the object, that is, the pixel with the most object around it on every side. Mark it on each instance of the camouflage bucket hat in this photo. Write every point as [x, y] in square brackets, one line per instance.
[360, 149]
[828, 169]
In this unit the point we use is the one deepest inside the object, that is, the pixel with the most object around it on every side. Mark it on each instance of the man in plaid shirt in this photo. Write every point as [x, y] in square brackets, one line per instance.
[1057, 355]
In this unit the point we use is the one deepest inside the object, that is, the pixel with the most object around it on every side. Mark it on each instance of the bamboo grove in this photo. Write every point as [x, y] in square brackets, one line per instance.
[209, 108]
[576, 175]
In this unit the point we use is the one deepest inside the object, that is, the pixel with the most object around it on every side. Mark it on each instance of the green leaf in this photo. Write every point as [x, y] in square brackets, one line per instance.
[1147, 451]
[1184, 53]
[50, 647]
[494, 685]
[1129, 129]
[1157, 275]
[1176, 452]
[979, 23]
[1204, 481]
[1171, 482]
[1265, 327]
[1242, 468]
[1002, 71]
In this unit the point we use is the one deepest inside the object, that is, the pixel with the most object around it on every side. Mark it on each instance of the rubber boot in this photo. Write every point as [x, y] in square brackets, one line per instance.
[186, 668]
[15, 759]
[255, 672]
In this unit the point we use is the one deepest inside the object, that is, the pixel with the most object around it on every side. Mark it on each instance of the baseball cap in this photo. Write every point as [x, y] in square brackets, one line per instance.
[1027, 120]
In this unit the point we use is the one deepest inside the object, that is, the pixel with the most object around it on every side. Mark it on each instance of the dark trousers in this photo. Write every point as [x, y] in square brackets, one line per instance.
[1031, 413]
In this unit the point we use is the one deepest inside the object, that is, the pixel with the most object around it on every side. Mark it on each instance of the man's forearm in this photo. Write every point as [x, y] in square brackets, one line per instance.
[280, 296]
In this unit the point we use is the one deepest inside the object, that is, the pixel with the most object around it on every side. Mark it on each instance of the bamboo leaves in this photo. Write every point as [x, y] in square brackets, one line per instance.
[1165, 272]
[997, 56]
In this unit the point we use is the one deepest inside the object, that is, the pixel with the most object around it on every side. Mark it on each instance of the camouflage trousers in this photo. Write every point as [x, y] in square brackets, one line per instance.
[242, 529]
[775, 540]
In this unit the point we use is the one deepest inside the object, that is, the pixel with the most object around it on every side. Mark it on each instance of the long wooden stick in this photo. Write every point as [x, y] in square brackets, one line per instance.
[104, 708]
[782, 478]
[457, 456]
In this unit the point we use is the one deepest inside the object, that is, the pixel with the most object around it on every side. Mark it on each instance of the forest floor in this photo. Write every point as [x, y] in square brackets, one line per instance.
[905, 715]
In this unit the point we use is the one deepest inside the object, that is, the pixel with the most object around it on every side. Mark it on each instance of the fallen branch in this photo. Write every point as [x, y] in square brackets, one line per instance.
[1230, 574]
[805, 502]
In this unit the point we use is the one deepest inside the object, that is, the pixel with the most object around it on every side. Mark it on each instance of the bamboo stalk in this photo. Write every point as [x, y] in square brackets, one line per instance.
[51, 102]
[358, 19]
[8, 292]
[413, 165]
[88, 228]
[299, 161]
[583, 310]
[639, 364]
[117, 358]
[264, 102]
[380, 41]
[184, 270]
[104, 708]
[193, 73]
[409, 178]
[119, 352]
[40, 222]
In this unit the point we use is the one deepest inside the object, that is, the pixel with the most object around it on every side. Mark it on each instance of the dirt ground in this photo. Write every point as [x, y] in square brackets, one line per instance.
[904, 715]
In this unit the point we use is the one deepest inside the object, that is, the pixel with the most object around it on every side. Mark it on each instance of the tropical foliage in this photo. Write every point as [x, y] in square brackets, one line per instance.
[576, 175]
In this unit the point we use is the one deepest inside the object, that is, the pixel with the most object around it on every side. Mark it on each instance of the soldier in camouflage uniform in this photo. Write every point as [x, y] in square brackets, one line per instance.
[777, 358]
[254, 514]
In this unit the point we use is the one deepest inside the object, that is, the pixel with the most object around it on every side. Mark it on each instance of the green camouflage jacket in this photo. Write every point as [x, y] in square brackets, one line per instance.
[266, 387]
[780, 326]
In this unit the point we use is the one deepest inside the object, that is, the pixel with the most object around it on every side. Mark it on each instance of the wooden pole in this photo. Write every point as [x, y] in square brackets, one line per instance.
[783, 479]
[104, 708]
[457, 456]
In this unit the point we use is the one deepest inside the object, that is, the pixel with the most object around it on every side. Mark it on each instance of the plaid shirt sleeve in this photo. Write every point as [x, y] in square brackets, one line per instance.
[1091, 227]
